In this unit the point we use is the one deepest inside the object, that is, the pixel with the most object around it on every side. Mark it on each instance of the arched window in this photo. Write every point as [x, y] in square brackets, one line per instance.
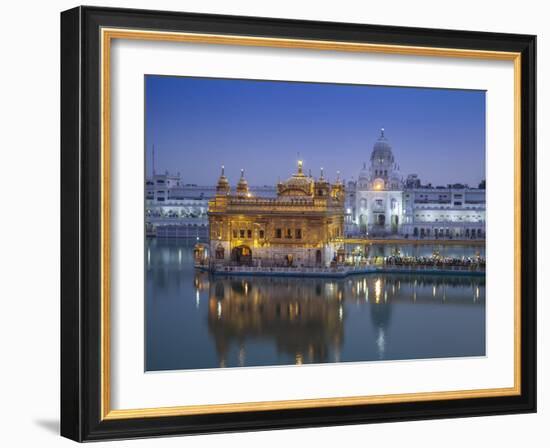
[220, 252]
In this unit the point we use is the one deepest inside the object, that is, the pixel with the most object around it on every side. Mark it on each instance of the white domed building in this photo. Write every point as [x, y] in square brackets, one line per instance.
[380, 204]
[379, 192]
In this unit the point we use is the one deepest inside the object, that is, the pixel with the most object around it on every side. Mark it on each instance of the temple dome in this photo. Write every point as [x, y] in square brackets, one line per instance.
[297, 185]
[382, 152]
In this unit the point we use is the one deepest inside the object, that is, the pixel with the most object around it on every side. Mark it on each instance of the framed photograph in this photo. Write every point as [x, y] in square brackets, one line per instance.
[274, 223]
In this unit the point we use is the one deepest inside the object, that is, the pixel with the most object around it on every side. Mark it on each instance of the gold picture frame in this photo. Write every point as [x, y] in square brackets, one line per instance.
[109, 30]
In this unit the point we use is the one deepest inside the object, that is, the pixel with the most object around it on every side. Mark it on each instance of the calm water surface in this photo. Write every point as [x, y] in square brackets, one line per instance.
[196, 321]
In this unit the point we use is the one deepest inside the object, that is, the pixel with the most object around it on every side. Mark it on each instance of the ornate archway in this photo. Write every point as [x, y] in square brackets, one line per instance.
[220, 252]
[242, 255]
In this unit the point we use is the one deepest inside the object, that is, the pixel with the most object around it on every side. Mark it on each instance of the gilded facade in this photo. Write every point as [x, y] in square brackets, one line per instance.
[300, 226]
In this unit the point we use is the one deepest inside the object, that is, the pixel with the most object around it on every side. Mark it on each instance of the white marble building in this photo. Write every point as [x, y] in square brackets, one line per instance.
[379, 203]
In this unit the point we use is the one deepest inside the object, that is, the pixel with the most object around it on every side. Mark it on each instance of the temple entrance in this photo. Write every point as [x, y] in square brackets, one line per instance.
[241, 255]
[318, 257]
[363, 224]
[381, 219]
[394, 223]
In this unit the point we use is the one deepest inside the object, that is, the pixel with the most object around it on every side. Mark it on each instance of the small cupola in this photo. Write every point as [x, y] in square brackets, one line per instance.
[322, 187]
[223, 187]
[242, 185]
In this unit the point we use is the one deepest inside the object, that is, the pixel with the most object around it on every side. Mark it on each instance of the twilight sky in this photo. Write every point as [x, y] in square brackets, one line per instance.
[198, 124]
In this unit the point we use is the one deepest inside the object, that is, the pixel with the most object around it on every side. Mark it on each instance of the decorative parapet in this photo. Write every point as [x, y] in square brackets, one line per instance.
[232, 204]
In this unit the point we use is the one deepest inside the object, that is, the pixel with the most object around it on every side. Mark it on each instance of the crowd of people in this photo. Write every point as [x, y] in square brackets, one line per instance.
[436, 261]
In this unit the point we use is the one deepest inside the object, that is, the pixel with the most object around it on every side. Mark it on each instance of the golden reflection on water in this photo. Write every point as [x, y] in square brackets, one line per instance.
[307, 316]
[377, 290]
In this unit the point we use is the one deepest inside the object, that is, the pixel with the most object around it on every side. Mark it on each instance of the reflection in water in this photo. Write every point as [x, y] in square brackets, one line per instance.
[298, 317]
[253, 321]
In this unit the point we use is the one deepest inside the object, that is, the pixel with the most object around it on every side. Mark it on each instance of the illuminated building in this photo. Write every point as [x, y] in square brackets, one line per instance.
[300, 226]
[379, 203]
[379, 195]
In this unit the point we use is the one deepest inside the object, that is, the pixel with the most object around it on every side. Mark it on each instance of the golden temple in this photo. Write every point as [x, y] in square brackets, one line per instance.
[299, 227]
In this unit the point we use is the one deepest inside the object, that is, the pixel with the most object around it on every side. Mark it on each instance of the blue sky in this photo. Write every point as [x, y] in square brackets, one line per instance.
[198, 124]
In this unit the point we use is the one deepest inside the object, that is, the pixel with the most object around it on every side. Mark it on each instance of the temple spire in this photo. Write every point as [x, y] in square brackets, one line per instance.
[242, 185]
[381, 132]
[223, 184]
